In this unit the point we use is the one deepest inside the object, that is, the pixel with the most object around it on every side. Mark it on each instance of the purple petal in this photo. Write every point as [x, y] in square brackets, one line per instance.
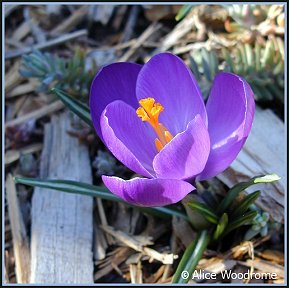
[187, 153]
[148, 192]
[168, 80]
[128, 138]
[230, 111]
[113, 82]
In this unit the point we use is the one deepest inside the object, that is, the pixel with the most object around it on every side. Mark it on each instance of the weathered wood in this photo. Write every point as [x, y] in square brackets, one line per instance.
[61, 232]
[263, 153]
[19, 235]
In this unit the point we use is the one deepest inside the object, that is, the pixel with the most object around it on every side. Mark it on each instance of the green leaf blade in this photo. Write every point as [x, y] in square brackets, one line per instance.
[234, 191]
[245, 219]
[80, 109]
[185, 9]
[205, 211]
[245, 204]
[221, 226]
[191, 257]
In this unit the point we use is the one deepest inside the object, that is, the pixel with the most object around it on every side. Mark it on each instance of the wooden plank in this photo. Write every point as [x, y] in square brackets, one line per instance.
[263, 153]
[19, 235]
[61, 232]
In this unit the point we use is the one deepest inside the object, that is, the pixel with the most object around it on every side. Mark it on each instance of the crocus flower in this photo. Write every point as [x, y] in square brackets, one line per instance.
[153, 119]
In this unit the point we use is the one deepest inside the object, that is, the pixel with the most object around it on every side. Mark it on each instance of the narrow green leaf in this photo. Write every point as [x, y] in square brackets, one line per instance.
[191, 257]
[243, 57]
[221, 226]
[280, 47]
[194, 67]
[228, 59]
[239, 67]
[245, 204]
[250, 234]
[258, 56]
[183, 12]
[276, 91]
[94, 191]
[249, 55]
[268, 53]
[74, 105]
[257, 92]
[234, 191]
[279, 68]
[245, 219]
[213, 60]
[205, 211]
[207, 71]
[265, 93]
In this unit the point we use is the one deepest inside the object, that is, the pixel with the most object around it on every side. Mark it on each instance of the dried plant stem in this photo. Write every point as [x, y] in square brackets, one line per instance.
[134, 243]
[53, 107]
[47, 44]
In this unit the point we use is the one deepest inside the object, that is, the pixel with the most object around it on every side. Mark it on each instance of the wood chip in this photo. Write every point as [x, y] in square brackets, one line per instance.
[153, 28]
[72, 21]
[47, 44]
[264, 266]
[136, 273]
[137, 243]
[46, 110]
[122, 253]
[22, 31]
[13, 78]
[13, 155]
[180, 30]
[20, 239]
[216, 265]
[22, 89]
[272, 255]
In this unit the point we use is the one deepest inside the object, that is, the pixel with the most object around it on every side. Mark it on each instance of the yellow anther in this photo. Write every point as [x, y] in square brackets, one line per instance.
[157, 109]
[147, 103]
[150, 111]
[141, 113]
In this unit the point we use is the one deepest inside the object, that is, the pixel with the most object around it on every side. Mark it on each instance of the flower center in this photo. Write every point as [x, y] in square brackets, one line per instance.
[149, 112]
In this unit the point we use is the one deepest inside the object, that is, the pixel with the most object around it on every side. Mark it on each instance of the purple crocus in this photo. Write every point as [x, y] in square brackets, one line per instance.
[153, 119]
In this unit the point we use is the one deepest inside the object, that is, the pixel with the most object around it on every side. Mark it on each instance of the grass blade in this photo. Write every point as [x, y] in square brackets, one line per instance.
[234, 191]
[221, 226]
[183, 12]
[77, 107]
[205, 211]
[245, 204]
[245, 219]
[191, 257]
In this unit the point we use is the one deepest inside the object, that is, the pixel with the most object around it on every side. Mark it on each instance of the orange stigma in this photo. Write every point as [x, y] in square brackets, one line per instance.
[150, 111]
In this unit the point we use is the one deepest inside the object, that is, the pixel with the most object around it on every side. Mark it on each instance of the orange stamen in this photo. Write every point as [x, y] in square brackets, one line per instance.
[149, 112]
